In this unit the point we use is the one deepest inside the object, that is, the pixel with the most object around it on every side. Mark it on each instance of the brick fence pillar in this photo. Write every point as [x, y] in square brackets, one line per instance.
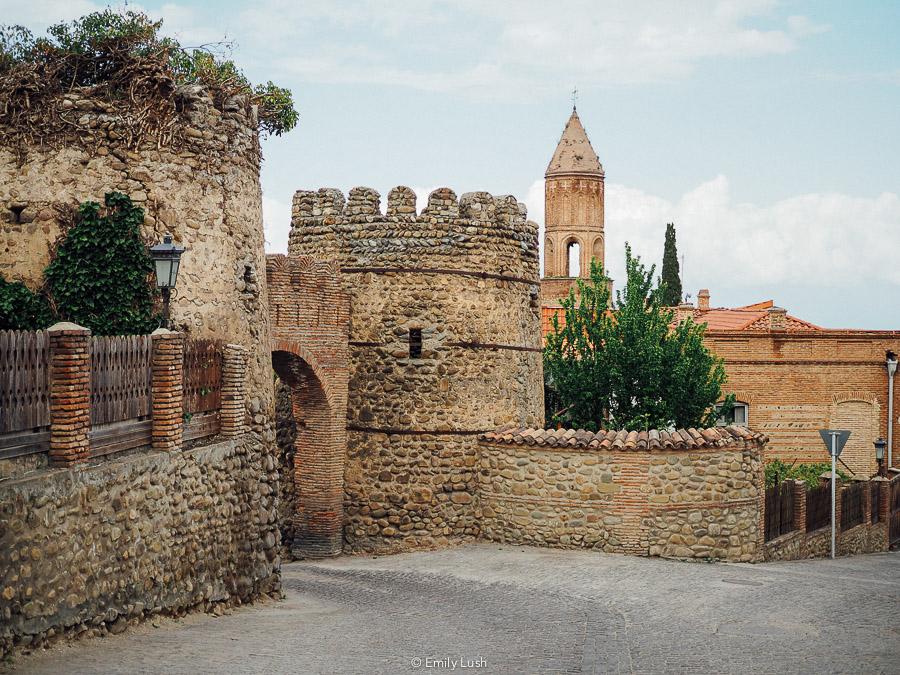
[799, 488]
[884, 503]
[167, 389]
[867, 504]
[234, 385]
[70, 393]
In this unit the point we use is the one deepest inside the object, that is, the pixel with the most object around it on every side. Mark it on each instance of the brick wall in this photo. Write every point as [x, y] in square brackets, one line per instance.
[310, 317]
[798, 383]
[690, 494]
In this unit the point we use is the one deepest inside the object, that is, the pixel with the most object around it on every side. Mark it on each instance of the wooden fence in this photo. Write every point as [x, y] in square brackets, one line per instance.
[853, 505]
[121, 391]
[818, 507]
[24, 392]
[202, 387]
[779, 510]
[120, 378]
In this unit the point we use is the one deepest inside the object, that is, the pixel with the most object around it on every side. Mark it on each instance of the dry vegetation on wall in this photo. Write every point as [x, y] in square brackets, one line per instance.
[118, 58]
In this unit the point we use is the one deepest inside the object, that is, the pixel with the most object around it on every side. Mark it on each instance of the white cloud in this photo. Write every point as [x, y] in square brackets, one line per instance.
[823, 240]
[485, 46]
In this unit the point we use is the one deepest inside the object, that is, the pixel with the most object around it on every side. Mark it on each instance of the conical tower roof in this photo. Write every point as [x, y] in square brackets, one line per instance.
[574, 153]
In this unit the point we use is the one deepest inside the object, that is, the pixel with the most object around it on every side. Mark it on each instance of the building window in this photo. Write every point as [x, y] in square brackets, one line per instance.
[738, 415]
[415, 343]
[573, 259]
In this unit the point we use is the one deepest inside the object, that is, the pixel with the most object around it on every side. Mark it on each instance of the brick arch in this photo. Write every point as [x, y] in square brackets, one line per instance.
[299, 350]
[320, 449]
[310, 317]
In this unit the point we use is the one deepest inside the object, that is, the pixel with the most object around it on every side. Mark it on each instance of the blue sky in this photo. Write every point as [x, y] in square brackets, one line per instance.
[769, 132]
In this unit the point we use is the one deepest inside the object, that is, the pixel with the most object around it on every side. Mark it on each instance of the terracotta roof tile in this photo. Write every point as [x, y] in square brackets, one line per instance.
[678, 439]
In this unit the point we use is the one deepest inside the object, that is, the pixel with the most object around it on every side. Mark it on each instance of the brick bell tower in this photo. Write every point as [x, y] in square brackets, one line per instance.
[573, 211]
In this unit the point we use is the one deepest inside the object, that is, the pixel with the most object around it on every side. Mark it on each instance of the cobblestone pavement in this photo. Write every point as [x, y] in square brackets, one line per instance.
[530, 610]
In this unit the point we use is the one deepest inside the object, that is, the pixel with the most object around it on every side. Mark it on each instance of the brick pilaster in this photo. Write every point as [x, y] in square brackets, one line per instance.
[884, 503]
[168, 389]
[799, 505]
[70, 393]
[232, 413]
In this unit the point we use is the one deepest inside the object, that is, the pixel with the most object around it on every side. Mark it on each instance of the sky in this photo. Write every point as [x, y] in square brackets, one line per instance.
[768, 132]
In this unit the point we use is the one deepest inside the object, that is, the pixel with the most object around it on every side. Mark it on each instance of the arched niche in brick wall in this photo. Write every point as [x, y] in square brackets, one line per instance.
[320, 448]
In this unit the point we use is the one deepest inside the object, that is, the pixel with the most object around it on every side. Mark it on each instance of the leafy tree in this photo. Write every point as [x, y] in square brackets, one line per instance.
[21, 308]
[100, 276]
[671, 274]
[623, 365]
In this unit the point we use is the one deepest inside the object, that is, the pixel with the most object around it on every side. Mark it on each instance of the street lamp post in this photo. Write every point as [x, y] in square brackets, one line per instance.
[166, 260]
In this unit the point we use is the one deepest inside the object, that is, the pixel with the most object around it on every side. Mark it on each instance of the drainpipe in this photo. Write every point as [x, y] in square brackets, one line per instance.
[891, 363]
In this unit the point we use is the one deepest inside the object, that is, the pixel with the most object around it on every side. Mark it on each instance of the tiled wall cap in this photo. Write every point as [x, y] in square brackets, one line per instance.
[678, 439]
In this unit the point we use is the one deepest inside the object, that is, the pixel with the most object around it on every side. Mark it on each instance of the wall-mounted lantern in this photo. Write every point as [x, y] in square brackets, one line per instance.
[880, 445]
[166, 260]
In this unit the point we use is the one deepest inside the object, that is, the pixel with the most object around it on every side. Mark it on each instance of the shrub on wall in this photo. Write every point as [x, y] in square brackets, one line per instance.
[21, 308]
[121, 56]
[776, 470]
[623, 364]
[100, 277]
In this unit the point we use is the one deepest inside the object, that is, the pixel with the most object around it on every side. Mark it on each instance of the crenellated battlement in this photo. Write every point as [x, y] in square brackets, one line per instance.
[478, 231]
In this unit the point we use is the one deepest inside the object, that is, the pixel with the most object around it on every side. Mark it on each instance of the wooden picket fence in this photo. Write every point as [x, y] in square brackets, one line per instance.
[202, 387]
[120, 378]
[121, 391]
[24, 392]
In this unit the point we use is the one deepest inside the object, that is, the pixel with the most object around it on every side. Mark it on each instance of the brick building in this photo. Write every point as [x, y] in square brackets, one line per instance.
[791, 377]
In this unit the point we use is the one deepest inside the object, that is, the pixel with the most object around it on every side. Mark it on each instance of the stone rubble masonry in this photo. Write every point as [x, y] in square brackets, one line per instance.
[310, 324]
[98, 547]
[463, 272]
[233, 413]
[167, 389]
[685, 494]
[203, 189]
[867, 537]
[70, 394]
[797, 383]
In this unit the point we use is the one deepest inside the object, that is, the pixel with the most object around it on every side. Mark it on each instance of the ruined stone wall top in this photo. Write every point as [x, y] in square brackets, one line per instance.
[477, 232]
[116, 129]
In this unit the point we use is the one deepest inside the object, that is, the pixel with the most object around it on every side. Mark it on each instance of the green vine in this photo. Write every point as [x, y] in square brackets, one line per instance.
[21, 308]
[100, 277]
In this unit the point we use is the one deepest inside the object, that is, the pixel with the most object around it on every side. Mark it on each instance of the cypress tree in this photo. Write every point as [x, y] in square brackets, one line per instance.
[671, 275]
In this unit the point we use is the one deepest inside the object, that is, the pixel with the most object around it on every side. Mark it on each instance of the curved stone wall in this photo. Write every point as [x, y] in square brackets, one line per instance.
[464, 275]
[202, 187]
[685, 494]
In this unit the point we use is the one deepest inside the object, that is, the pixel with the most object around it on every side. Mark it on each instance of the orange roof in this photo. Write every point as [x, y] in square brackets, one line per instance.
[750, 317]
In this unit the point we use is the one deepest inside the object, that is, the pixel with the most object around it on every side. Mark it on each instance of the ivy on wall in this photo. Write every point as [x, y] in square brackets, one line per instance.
[99, 278]
[21, 308]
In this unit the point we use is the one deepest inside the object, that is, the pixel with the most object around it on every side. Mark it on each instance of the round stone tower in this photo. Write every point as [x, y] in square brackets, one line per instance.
[573, 211]
[445, 343]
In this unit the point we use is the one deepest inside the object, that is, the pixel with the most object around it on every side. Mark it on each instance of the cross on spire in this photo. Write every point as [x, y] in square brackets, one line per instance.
[574, 97]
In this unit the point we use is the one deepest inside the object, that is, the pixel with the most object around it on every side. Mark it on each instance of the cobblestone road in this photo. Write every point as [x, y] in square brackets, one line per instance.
[530, 610]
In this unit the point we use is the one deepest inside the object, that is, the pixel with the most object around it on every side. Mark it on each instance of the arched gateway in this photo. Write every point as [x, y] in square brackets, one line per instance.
[310, 318]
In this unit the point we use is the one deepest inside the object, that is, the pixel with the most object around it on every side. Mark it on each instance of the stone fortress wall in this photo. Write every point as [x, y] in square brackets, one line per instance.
[462, 274]
[100, 544]
[203, 188]
[683, 494]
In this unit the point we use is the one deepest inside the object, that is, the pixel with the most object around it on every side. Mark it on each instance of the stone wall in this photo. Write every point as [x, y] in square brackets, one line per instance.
[95, 548]
[202, 187]
[688, 494]
[797, 383]
[460, 279]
